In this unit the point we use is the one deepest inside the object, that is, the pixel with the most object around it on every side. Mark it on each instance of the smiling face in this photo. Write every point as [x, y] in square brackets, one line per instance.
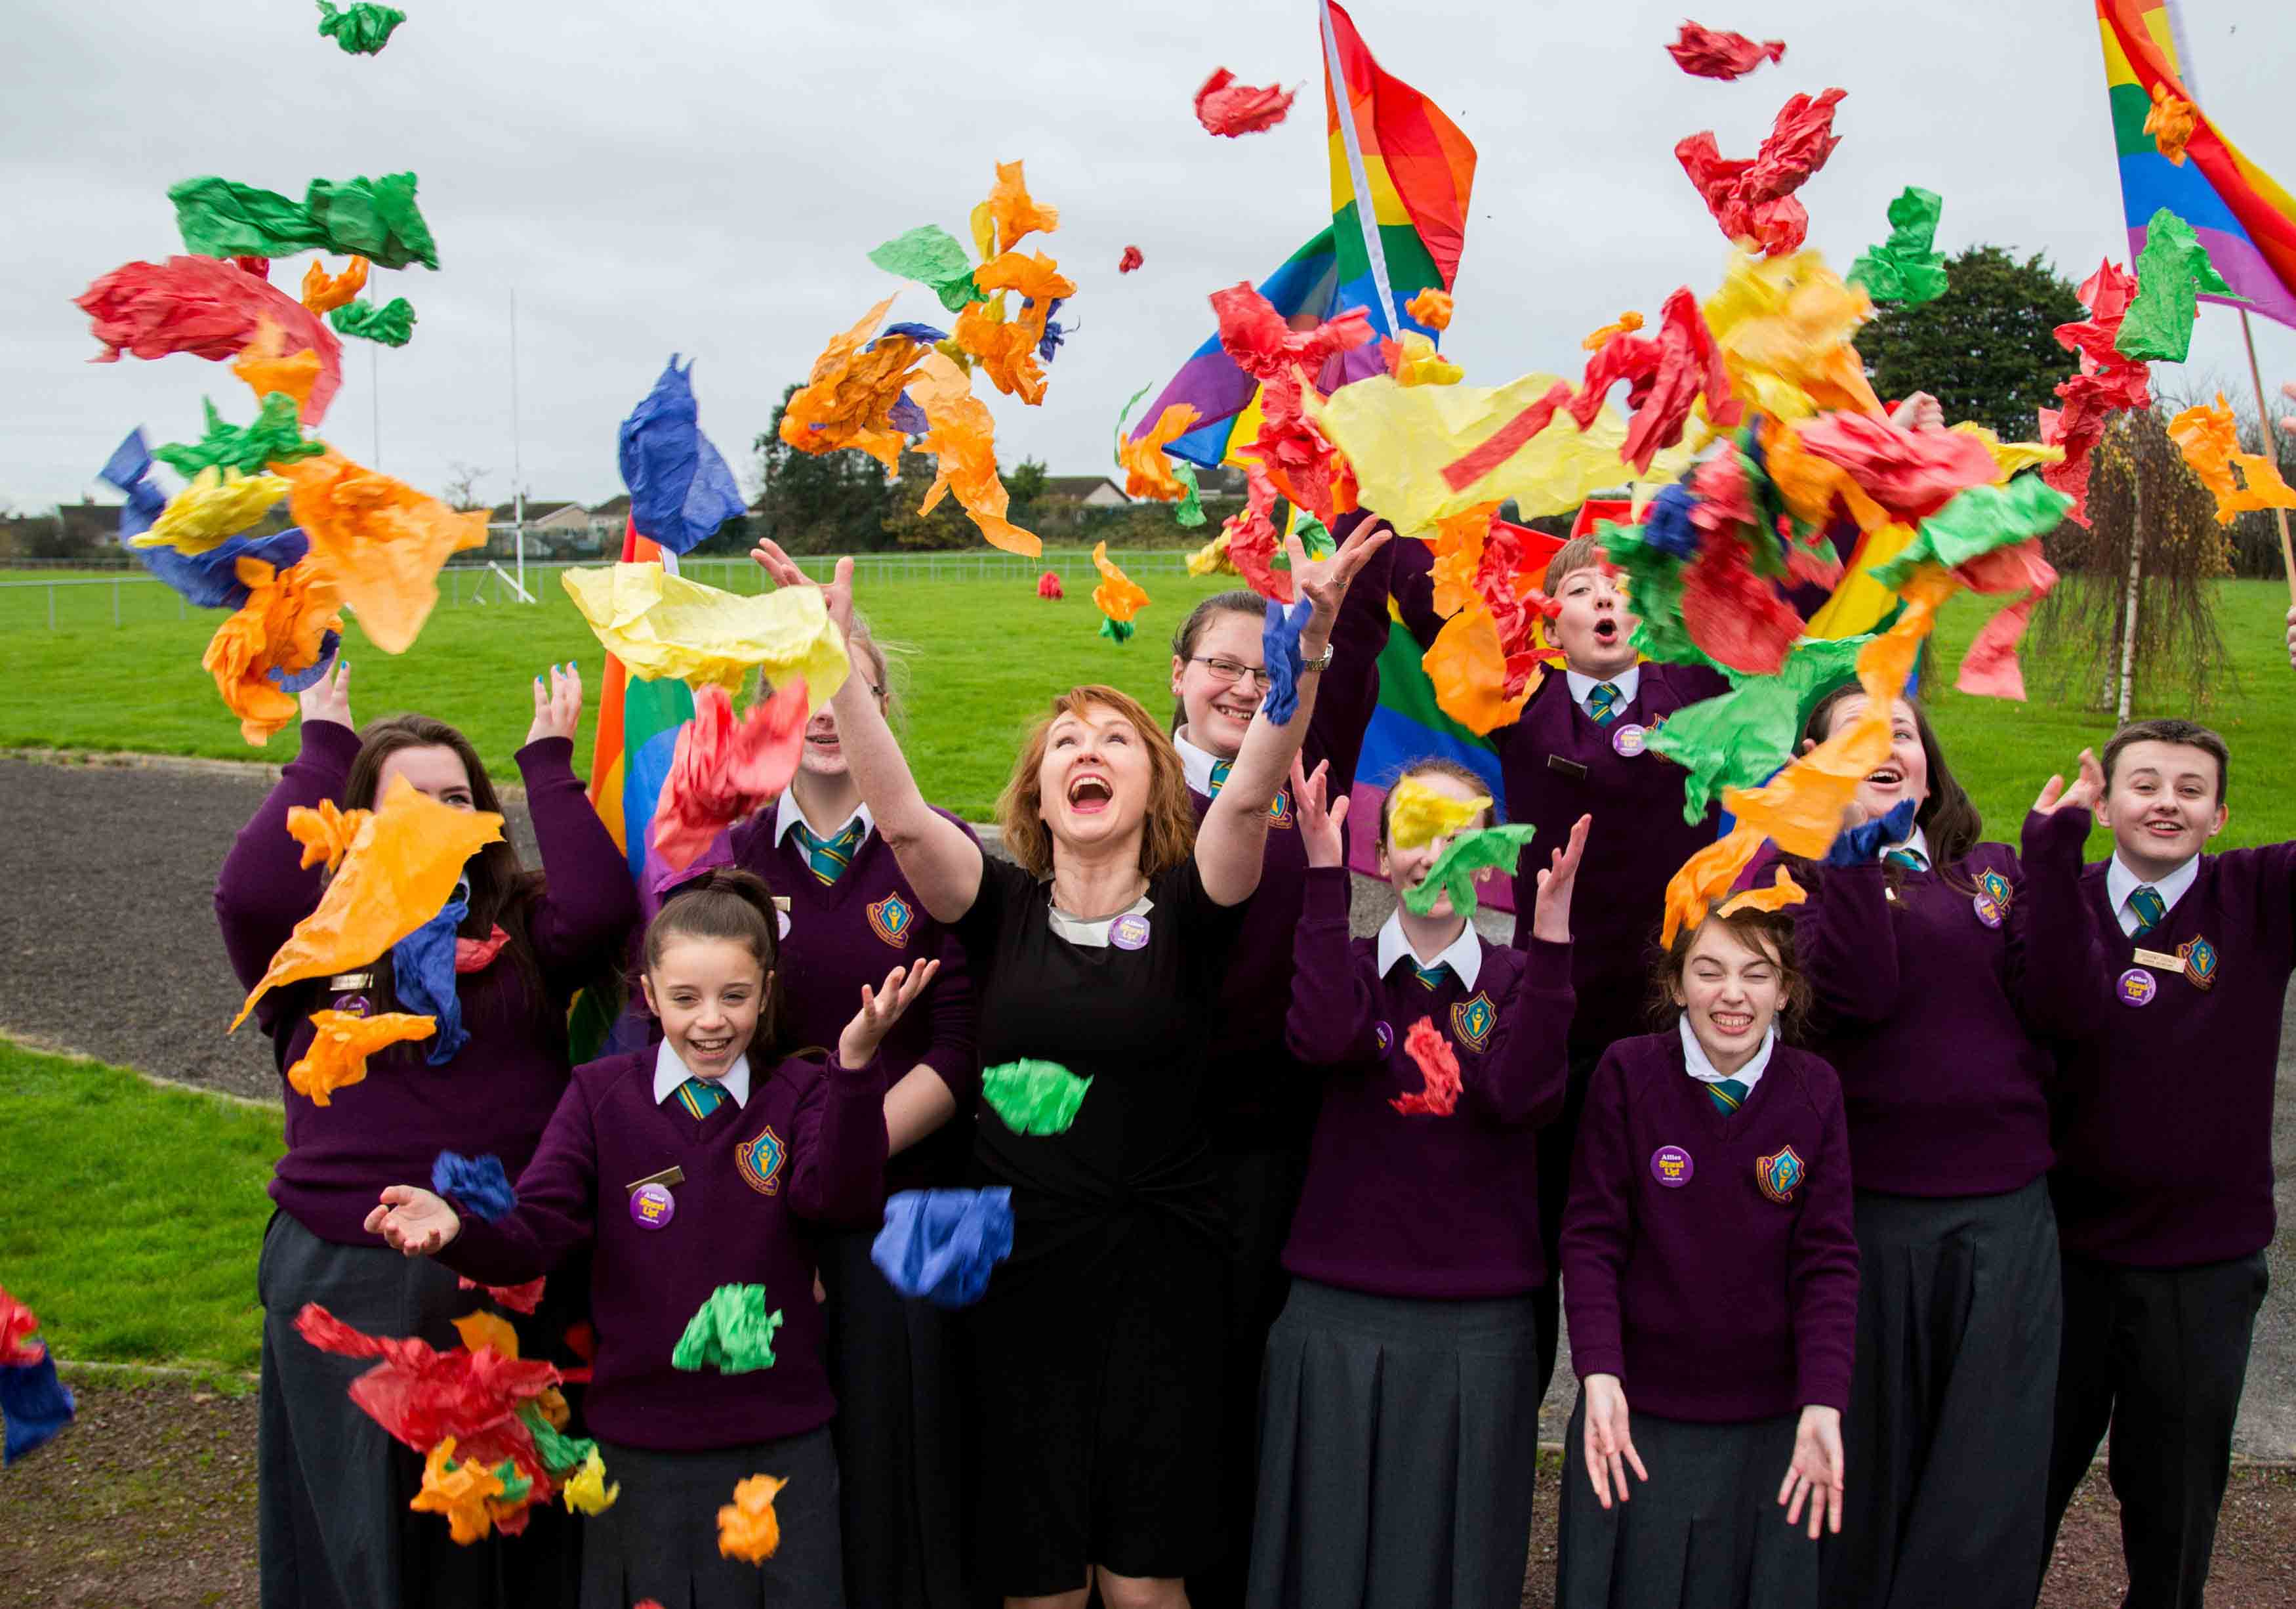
[1216, 704]
[2161, 803]
[1905, 775]
[1407, 868]
[708, 993]
[1095, 776]
[430, 769]
[1729, 993]
[1594, 626]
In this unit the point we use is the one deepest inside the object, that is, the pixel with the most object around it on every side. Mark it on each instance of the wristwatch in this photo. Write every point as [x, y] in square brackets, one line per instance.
[1321, 661]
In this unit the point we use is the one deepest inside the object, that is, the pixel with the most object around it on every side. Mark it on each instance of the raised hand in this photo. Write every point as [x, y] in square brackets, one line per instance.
[1919, 412]
[1815, 1472]
[1324, 582]
[1319, 828]
[1551, 918]
[1609, 1448]
[557, 704]
[880, 1010]
[330, 697]
[838, 595]
[2084, 794]
[413, 1222]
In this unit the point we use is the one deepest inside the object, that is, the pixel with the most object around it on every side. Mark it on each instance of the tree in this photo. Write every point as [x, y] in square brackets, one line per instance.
[948, 526]
[832, 502]
[1986, 350]
[463, 485]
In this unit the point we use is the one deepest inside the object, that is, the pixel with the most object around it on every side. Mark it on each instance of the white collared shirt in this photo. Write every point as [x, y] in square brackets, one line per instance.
[1696, 1063]
[1196, 763]
[788, 813]
[1464, 954]
[1918, 842]
[2120, 882]
[670, 1072]
[1582, 687]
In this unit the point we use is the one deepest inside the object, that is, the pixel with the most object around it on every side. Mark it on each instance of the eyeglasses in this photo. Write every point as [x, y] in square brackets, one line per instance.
[1228, 671]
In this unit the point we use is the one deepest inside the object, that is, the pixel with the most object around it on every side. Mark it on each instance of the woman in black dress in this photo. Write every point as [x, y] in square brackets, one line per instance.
[1098, 1345]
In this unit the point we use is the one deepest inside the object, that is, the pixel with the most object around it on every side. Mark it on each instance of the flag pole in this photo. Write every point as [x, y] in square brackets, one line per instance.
[1335, 84]
[2263, 424]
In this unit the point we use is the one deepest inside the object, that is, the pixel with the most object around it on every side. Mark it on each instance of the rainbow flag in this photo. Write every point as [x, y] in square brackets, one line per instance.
[637, 734]
[2246, 221]
[1392, 144]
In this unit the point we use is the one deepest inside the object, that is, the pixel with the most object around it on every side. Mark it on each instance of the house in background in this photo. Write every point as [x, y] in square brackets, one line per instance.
[1084, 491]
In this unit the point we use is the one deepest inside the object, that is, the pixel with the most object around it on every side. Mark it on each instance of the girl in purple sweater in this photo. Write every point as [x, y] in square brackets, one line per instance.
[696, 1174]
[1914, 939]
[1711, 1280]
[1399, 1422]
[847, 913]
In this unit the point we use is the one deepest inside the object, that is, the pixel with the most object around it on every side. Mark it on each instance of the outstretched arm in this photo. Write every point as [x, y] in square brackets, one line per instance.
[942, 862]
[1234, 836]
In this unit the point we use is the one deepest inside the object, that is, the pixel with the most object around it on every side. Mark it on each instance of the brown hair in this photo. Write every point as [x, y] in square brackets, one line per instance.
[884, 675]
[1948, 817]
[1435, 764]
[1579, 553]
[2191, 735]
[1764, 932]
[1168, 836]
[502, 890]
[1237, 601]
[729, 904]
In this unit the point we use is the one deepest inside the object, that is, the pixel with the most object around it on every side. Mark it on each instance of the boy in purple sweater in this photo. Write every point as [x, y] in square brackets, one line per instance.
[1399, 1421]
[692, 1170]
[2173, 959]
[1711, 1272]
[1579, 746]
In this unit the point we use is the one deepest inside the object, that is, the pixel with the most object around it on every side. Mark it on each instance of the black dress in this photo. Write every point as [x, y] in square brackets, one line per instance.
[1097, 1348]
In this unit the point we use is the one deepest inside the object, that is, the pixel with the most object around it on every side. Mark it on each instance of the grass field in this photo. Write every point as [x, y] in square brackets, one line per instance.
[985, 654]
[133, 1211]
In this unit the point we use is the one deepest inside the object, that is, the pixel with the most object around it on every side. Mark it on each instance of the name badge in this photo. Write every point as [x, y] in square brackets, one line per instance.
[668, 1176]
[2174, 965]
[1568, 767]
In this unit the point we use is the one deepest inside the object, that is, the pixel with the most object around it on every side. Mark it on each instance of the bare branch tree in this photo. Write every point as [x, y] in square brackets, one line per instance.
[462, 484]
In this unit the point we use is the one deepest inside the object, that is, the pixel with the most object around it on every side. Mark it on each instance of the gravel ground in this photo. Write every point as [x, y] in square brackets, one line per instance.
[109, 949]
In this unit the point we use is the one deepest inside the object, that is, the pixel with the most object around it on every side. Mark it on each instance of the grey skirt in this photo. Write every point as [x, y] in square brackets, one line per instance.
[1398, 1445]
[1705, 1531]
[659, 1539]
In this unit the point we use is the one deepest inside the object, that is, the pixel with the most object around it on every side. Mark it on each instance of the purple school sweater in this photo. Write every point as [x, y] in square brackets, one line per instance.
[2164, 1109]
[853, 931]
[1923, 1010]
[1709, 1262]
[808, 1147]
[495, 1096]
[1262, 1096]
[1557, 765]
[1426, 1207]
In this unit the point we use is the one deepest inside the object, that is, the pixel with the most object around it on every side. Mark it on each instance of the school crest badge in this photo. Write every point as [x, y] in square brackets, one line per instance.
[760, 1161]
[1780, 1174]
[1993, 893]
[2200, 962]
[1473, 1021]
[1279, 814]
[890, 919]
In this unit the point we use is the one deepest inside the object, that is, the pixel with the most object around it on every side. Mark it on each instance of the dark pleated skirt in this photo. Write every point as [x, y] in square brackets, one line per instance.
[1398, 1451]
[659, 1539]
[1705, 1531]
[1960, 1303]
[333, 1528]
[900, 1454]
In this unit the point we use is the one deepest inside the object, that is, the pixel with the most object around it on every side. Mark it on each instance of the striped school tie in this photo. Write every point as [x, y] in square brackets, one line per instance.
[1430, 978]
[1603, 702]
[700, 1096]
[1220, 769]
[829, 857]
[2149, 909]
[1912, 859]
[1729, 1095]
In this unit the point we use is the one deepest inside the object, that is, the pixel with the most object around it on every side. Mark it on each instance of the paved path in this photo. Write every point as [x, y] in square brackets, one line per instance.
[108, 946]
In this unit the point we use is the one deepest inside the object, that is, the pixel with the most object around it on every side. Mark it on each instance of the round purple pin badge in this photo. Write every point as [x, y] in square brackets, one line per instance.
[1671, 1166]
[652, 1206]
[2137, 987]
[1988, 909]
[1384, 1035]
[1128, 932]
[1630, 740]
[353, 1005]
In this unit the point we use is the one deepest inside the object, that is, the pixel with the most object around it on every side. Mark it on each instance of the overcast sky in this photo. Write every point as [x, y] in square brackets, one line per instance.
[708, 179]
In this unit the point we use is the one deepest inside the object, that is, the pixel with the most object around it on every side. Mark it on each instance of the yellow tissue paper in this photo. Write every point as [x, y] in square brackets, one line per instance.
[660, 625]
